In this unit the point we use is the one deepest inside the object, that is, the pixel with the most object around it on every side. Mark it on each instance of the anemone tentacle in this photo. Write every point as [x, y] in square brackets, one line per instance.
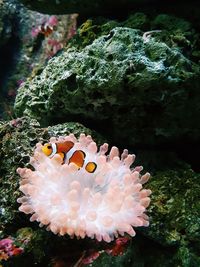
[68, 200]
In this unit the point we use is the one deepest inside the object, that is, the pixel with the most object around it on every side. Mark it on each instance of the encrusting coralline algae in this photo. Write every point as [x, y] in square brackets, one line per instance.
[103, 204]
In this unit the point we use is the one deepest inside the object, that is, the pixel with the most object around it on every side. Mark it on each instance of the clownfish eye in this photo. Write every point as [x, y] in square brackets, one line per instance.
[49, 147]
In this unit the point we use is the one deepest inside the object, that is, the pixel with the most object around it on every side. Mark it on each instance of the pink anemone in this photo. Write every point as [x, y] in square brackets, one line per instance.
[68, 200]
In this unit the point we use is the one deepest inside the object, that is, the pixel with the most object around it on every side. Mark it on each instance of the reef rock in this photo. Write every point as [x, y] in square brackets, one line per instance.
[133, 87]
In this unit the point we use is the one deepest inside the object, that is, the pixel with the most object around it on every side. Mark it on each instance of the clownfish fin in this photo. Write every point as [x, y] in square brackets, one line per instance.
[91, 167]
[64, 147]
[78, 158]
[63, 155]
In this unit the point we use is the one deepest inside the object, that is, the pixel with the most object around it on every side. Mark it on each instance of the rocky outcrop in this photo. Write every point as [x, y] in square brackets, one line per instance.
[132, 86]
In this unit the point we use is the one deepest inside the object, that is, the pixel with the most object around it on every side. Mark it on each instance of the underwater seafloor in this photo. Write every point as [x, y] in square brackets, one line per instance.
[126, 73]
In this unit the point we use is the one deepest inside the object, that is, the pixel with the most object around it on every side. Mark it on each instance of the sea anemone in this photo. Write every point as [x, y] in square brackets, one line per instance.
[67, 199]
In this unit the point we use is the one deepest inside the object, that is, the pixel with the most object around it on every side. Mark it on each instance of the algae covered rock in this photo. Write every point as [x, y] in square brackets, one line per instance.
[175, 203]
[17, 137]
[132, 87]
[175, 32]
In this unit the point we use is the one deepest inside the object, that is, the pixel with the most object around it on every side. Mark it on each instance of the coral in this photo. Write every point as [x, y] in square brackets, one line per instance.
[53, 47]
[119, 246]
[102, 204]
[8, 249]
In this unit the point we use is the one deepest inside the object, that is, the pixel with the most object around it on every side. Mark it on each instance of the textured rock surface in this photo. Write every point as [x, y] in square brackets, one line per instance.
[175, 32]
[177, 208]
[179, 212]
[8, 44]
[128, 84]
[5, 24]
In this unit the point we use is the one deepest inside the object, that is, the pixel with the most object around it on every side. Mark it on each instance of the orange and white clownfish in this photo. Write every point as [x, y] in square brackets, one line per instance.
[69, 154]
[45, 29]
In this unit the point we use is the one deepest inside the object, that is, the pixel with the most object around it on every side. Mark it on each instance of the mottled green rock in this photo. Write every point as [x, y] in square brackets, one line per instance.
[134, 88]
[175, 202]
[175, 32]
[17, 142]
[91, 29]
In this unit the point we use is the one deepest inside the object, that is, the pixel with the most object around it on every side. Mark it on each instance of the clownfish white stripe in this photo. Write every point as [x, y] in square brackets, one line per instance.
[54, 149]
[69, 154]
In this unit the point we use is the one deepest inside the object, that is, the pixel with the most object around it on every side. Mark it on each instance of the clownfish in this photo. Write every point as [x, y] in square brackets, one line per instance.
[45, 29]
[69, 154]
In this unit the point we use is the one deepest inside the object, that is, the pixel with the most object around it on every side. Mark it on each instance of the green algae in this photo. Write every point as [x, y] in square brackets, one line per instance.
[90, 30]
[35, 242]
[175, 200]
[175, 204]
